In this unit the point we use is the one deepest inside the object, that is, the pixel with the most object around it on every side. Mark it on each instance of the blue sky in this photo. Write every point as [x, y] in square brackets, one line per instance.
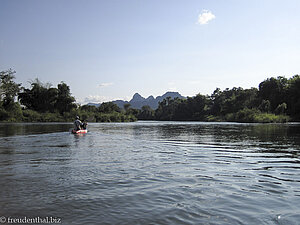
[111, 49]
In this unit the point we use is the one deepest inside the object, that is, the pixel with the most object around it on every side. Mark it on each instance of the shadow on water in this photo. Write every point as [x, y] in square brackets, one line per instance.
[277, 134]
[11, 129]
[34, 163]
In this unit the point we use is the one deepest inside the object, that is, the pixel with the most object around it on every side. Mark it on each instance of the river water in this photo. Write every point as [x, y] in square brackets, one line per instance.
[151, 173]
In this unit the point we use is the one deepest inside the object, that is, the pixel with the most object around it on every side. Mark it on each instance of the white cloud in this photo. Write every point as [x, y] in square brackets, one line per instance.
[95, 99]
[105, 84]
[99, 99]
[205, 17]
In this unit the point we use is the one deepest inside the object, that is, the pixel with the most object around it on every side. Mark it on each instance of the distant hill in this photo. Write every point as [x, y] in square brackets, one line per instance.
[94, 104]
[138, 101]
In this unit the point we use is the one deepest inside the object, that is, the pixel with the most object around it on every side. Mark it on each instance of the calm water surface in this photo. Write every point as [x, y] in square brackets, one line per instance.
[152, 173]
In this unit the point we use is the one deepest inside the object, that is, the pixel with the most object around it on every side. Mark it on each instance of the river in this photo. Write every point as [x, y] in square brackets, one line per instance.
[151, 173]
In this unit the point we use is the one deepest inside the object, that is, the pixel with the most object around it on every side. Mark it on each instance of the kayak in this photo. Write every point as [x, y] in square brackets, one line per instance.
[79, 131]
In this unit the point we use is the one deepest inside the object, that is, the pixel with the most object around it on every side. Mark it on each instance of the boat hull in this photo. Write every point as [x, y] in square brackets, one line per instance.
[79, 131]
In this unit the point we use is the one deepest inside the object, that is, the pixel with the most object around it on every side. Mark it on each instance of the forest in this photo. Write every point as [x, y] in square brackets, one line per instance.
[44, 103]
[277, 99]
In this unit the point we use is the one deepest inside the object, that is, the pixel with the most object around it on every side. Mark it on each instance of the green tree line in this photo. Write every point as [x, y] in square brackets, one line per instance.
[44, 103]
[275, 100]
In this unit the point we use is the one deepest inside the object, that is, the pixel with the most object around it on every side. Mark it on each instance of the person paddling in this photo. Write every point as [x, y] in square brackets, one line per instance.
[84, 125]
[78, 124]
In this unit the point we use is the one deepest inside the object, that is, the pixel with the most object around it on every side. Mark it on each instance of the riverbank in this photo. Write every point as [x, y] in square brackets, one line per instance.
[245, 117]
[109, 112]
[250, 116]
[33, 116]
[275, 101]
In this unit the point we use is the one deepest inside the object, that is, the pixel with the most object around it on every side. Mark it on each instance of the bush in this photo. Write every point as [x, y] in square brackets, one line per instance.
[281, 109]
[31, 116]
[270, 118]
[130, 118]
[101, 117]
[12, 112]
[4, 115]
[230, 117]
[212, 118]
[246, 115]
[254, 115]
[114, 117]
[51, 117]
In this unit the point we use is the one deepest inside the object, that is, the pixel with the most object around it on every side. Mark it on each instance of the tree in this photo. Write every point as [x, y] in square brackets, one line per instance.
[293, 95]
[281, 109]
[146, 113]
[64, 102]
[133, 112]
[9, 109]
[232, 100]
[216, 101]
[165, 110]
[8, 88]
[89, 108]
[126, 107]
[198, 107]
[274, 90]
[41, 97]
[44, 98]
[265, 106]
[108, 107]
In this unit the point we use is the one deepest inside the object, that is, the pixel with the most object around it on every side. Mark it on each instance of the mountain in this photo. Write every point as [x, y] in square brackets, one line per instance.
[94, 104]
[138, 101]
[137, 98]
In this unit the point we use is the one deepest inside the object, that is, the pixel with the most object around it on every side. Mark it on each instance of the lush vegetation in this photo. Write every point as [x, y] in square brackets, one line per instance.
[275, 100]
[44, 103]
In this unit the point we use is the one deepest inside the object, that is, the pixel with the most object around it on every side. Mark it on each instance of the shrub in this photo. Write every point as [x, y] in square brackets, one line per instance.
[101, 117]
[270, 118]
[31, 116]
[212, 118]
[51, 117]
[4, 115]
[246, 115]
[281, 108]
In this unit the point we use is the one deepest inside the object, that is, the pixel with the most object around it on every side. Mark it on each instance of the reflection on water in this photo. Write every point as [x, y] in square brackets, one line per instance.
[152, 173]
[10, 129]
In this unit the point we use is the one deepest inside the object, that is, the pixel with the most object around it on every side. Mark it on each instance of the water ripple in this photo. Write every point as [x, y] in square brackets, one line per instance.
[153, 173]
